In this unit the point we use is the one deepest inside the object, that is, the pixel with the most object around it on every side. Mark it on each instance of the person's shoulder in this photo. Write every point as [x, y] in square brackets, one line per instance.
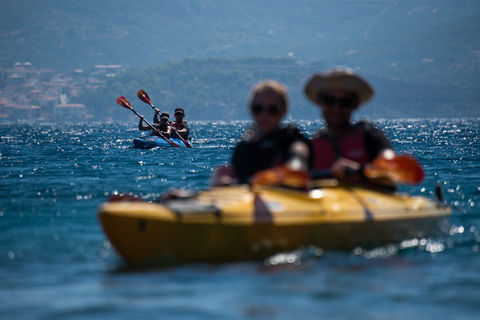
[367, 125]
[250, 136]
[290, 130]
[375, 135]
[292, 133]
[320, 133]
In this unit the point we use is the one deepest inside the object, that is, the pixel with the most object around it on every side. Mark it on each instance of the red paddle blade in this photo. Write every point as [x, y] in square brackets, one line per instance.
[409, 169]
[403, 168]
[281, 175]
[124, 102]
[142, 95]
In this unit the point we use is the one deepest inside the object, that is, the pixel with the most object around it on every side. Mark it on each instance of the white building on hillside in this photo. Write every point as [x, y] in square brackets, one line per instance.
[70, 111]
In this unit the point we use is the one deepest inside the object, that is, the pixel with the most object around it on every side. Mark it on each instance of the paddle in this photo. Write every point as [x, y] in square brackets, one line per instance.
[142, 95]
[282, 175]
[126, 104]
[403, 169]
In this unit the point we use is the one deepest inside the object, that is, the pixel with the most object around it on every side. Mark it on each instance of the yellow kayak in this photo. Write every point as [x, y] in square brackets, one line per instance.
[243, 223]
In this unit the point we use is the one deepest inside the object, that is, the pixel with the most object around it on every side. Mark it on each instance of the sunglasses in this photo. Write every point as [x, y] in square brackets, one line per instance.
[347, 102]
[178, 113]
[271, 110]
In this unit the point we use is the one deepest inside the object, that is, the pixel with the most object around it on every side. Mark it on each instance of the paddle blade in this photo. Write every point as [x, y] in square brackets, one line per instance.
[142, 95]
[124, 102]
[403, 169]
[173, 144]
[281, 175]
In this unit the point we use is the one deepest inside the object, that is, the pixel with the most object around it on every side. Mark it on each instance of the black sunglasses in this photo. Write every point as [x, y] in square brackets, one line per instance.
[272, 109]
[178, 113]
[349, 102]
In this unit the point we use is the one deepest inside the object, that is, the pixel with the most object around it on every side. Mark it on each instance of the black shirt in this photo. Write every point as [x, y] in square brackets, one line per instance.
[254, 154]
[161, 127]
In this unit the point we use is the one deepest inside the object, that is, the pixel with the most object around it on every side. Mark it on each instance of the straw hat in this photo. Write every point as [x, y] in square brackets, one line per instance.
[338, 79]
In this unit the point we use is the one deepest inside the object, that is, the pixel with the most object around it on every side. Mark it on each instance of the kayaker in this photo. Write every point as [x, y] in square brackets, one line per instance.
[161, 125]
[180, 125]
[267, 145]
[344, 146]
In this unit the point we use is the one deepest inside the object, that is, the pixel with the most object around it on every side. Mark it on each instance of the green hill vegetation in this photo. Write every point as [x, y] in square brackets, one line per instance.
[422, 56]
[218, 89]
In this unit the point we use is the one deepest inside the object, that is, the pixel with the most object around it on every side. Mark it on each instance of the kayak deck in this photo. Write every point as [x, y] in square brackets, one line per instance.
[237, 223]
[155, 141]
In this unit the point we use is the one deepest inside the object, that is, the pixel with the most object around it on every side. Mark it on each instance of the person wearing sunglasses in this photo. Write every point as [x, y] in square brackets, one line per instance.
[180, 125]
[344, 146]
[267, 144]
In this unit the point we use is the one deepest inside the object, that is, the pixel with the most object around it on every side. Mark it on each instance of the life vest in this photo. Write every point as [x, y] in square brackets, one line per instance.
[352, 147]
[178, 126]
[161, 128]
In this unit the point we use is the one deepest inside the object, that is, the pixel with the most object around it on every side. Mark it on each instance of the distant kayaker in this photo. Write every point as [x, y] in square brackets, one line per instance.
[161, 125]
[344, 146]
[267, 145]
[180, 125]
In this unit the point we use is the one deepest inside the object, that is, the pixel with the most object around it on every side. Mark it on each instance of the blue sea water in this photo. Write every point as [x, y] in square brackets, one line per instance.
[55, 262]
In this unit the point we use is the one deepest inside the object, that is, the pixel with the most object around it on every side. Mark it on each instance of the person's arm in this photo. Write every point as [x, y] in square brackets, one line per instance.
[294, 172]
[298, 156]
[184, 131]
[377, 143]
[155, 117]
[140, 125]
[224, 176]
[227, 175]
[167, 133]
[240, 162]
[386, 154]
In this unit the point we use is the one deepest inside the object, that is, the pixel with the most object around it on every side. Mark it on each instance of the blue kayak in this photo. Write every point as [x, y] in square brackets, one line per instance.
[155, 141]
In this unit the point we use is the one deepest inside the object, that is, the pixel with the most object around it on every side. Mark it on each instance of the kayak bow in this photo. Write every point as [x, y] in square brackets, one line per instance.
[237, 223]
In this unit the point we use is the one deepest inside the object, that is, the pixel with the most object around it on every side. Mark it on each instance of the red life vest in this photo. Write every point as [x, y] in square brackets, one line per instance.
[178, 126]
[352, 147]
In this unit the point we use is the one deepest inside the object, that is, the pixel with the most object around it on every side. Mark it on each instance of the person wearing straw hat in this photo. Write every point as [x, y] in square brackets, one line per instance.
[344, 146]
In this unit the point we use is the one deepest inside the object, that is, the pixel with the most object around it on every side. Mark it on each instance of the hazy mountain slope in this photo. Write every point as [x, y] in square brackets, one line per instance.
[442, 53]
[219, 88]
[370, 34]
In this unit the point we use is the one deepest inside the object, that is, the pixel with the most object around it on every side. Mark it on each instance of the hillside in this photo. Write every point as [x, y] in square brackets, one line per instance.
[218, 89]
[424, 40]
[445, 53]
